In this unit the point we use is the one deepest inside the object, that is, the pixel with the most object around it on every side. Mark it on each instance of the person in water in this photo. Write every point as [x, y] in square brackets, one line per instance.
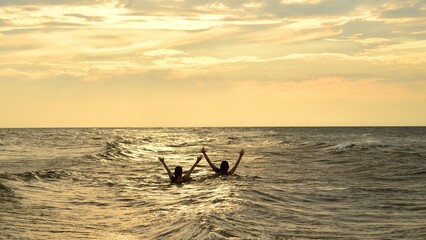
[224, 166]
[177, 176]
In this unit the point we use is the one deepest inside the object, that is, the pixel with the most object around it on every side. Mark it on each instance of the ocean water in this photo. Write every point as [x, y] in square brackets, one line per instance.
[292, 183]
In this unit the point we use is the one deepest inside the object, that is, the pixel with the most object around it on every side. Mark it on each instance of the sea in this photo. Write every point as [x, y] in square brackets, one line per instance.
[292, 183]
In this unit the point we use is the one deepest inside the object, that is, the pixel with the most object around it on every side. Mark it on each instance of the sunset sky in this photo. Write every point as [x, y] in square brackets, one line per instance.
[182, 63]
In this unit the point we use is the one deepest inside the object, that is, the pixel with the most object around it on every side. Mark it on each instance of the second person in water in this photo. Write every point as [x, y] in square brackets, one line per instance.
[224, 166]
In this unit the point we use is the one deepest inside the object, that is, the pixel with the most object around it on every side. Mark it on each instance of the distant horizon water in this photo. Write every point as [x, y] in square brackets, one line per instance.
[231, 126]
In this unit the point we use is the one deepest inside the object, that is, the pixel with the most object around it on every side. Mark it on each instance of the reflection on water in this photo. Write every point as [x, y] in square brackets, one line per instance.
[293, 183]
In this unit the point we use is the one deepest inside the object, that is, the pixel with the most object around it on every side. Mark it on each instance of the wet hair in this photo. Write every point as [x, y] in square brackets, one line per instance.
[178, 171]
[224, 166]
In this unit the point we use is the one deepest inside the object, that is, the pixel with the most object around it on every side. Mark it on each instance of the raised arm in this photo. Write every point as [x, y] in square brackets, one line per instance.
[237, 163]
[165, 166]
[187, 174]
[203, 151]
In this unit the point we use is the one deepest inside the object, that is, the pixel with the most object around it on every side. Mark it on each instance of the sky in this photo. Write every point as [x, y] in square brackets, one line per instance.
[187, 63]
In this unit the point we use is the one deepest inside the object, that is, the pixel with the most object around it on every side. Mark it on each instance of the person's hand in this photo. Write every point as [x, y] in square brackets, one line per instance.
[242, 152]
[161, 159]
[199, 158]
[203, 150]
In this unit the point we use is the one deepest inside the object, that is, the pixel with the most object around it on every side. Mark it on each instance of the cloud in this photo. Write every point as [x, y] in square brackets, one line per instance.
[87, 18]
[43, 16]
[404, 9]
[291, 2]
[213, 7]
[2, 22]
[297, 30]
[50, 2]
[286, 9]
[186, 35]
[191, 7]
[163, 52]
[199, 62]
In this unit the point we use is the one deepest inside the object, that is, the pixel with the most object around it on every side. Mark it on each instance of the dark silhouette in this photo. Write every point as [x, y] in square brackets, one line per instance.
[177, 176]
[224, 165]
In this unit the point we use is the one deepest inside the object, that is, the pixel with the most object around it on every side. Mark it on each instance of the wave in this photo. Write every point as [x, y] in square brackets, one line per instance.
[96, 138]
[4, 190]
[342, 147]
[6, 176]
[89, 203]
[113, 150]
[347, 146]
[112, 145]
[184, 144]
[47, 175]
[233, 138]
[321, 145]
[6, 194]
[415, 172]
[264, 196]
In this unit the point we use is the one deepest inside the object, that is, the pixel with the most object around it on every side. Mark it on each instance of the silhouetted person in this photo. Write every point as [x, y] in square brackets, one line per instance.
[177, 176]
[224, 166]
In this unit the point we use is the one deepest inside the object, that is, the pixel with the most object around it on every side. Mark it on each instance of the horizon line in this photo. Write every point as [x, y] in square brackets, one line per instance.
[289, 126]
